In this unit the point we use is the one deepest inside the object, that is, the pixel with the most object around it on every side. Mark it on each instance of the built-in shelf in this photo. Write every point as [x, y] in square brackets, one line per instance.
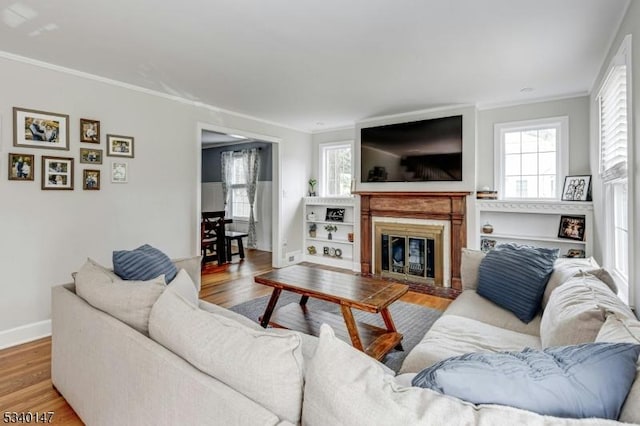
[533, 222]
[318, 206]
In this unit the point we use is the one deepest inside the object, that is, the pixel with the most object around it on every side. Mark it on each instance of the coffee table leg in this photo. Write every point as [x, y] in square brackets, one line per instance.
[303, 300]
[270, 307]
[388, 322]
[351, 327]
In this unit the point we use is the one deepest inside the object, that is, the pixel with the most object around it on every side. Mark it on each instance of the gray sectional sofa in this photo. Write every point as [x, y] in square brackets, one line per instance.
[203, 364]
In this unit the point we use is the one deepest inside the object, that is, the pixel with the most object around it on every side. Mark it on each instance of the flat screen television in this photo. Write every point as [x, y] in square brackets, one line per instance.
[418, 151]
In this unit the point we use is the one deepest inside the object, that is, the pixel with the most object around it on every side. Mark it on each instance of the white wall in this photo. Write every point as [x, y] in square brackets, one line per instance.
[577, 109]
[46, 235]
[212, 200]
[630, 25]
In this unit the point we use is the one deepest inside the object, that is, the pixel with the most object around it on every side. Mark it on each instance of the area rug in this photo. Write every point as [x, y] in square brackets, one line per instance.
[413, 321]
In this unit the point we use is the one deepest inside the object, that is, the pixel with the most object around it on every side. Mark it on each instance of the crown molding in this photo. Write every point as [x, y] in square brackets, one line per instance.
[133, 87]
[418, 112]
[482, 106]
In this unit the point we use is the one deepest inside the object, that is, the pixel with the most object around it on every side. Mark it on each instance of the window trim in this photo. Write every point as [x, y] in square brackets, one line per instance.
[322, 188]
[562, 156]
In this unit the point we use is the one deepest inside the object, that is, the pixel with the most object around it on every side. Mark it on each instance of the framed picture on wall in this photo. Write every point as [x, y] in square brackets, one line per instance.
[572, 227]
[57, 173]
[89, 131]
[334, 215]
[91, 180]
[21, 167]
[119, 146]
[577, 188]
[40, 129]
[119, 172]
[90, 156]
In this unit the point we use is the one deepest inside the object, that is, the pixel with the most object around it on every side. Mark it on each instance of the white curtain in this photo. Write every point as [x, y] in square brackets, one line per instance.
[251, 159]
[227, 177]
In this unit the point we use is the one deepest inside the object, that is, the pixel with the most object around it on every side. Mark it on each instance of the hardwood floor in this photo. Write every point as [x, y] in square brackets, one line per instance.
[25, 370]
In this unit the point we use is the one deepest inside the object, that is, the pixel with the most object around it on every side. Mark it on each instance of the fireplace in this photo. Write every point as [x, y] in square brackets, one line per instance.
[410, 251]
[430, 210]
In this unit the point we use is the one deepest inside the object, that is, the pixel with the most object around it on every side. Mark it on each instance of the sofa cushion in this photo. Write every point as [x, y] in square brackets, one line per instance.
[128, 301]
[143, 263]
[193, 267]
[565, 268]
[471, 305]
[469, 266]
[620, 329]
[452, 335]
[514, 277]
[576, 311]
[346, 387]
[589, 380]
[264, 366]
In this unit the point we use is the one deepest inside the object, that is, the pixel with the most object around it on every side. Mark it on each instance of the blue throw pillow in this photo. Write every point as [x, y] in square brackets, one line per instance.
[143, 263]
[588, 380]
[515, 276]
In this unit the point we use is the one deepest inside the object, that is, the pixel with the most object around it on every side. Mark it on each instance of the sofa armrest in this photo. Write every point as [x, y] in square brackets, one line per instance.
[192, 266]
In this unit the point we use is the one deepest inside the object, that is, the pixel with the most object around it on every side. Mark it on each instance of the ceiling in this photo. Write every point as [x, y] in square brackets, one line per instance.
[313, 65]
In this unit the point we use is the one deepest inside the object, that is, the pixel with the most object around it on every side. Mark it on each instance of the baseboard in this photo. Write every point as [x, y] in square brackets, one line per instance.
[25, 333]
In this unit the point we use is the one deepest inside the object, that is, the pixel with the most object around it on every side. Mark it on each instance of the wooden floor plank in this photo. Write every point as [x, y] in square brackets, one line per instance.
[25, 370]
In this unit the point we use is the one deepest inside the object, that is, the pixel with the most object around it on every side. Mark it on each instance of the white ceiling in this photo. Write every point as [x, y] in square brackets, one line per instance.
[301, 63]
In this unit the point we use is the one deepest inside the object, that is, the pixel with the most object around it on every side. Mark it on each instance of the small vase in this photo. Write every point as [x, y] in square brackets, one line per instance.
[350, 237]
[312, 234]
[487, 228]
[330, 236]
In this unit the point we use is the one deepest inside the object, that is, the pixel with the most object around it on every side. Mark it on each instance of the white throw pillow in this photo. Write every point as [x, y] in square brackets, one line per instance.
[128, 301]
[264, 366]
[469, 268]
[576, 311]
[620, 329]
[563, 269]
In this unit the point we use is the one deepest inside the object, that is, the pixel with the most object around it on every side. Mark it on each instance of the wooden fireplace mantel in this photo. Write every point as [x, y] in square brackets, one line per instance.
[449, 206]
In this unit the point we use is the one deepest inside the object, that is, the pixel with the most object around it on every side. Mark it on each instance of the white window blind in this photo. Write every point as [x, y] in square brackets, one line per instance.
[613, 125]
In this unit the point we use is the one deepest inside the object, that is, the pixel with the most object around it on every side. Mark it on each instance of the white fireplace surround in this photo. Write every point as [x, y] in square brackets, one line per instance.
[446, 239]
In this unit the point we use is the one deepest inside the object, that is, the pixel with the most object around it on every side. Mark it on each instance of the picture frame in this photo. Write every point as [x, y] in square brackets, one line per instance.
[90, 156]
[120, 146]
[21, 167]
[334, 214]
[119, 172]
[487, 244]
[40, 129]
[91, 180]
[57, 173]
[577, 188]
[572, 227]
[575, 253]
[89, 131]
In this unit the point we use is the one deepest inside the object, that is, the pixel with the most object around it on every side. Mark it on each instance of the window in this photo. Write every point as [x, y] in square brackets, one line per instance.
[240, 206]
[613, 103]
[335, 169]
[530, 158]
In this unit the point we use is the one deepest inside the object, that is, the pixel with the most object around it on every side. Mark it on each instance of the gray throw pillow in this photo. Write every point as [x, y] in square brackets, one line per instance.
[514, 277]
[589, 380]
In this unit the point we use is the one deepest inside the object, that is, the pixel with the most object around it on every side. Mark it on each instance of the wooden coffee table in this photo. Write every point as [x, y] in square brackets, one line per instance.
[344, 289]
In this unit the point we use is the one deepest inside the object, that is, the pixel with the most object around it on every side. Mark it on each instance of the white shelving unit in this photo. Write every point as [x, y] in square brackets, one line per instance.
[350, 257]
[534, 223]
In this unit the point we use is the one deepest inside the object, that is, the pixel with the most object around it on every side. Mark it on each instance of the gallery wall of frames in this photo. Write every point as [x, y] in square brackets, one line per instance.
[42, 130]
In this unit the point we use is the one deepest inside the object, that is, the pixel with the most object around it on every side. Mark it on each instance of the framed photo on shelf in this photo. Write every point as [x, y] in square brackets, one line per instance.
[119, 146]
[57, 172]
[572, 227]
[334, 215]
[119, 172]
[21, 167]
[91, 180]
[89, 131]
[40, 129]
[487, 244]
[90, 156]
[577, 188]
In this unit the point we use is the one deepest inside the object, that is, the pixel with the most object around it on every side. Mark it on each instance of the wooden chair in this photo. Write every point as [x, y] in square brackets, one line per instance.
[212, 237]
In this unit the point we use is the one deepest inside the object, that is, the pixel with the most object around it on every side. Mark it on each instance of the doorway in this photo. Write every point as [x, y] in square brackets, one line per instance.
[212, 141]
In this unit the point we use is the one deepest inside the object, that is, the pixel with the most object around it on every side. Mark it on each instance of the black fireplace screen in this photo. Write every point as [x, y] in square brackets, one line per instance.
[408, 255]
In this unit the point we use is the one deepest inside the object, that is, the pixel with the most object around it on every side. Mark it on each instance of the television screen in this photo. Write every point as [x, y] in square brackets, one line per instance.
[418, 151]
